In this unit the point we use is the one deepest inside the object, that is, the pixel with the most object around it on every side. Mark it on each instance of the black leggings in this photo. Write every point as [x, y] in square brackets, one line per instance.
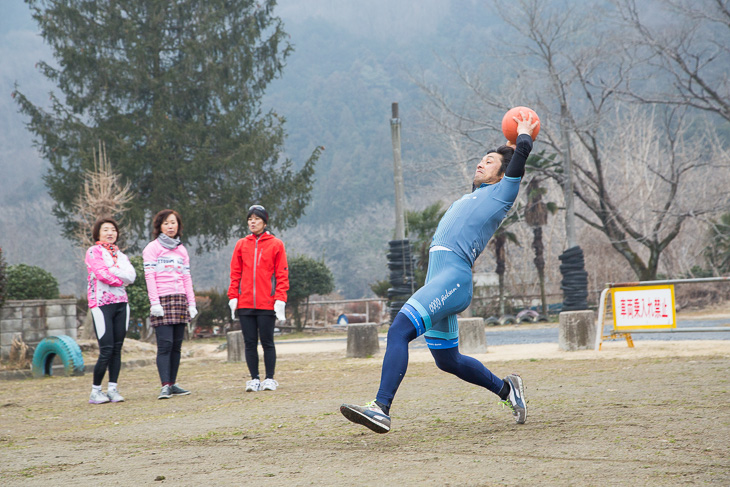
[110, 326]
[254, 327]
[169, 344]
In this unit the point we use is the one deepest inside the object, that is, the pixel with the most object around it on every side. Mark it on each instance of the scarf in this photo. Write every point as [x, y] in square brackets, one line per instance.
[168, 242]
[112, 248]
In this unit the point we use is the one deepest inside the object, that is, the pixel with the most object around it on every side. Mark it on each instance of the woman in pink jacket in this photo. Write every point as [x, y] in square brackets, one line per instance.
[109, 270]
[172, 300]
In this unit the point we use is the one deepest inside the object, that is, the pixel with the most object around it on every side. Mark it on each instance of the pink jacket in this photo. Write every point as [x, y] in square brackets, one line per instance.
[167, 272]
[107, 279]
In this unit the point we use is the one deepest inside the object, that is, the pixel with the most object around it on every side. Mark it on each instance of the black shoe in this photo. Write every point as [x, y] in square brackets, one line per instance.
[165, 392]
[178, 391]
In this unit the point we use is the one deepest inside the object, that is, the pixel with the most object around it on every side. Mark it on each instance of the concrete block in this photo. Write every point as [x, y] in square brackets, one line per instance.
[55, 310]
[10, 312]
[34, 337]
[30, 312]
[577, 330]
[472, 337]
[14, 325]
[35, 324]
[362, 340]
[6, 338]
[56, 323]
[55, 333]
[235, 346]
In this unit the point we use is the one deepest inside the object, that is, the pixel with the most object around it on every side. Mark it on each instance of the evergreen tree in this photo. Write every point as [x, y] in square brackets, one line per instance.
[307, 276]
[174, 90]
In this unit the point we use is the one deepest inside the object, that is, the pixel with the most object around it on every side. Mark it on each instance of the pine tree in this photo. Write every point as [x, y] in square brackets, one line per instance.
[174, 89]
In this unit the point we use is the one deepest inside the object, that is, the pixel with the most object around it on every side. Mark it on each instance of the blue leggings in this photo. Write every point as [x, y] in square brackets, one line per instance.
[395, 362]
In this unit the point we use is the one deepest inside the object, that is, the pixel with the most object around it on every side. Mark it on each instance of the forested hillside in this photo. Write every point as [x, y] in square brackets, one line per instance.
[350, 62]
[453, 66]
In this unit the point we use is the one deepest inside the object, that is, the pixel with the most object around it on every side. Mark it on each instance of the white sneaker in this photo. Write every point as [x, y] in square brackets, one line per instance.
[98, 397]
[269, 385]
[253, 385]
[114, 396]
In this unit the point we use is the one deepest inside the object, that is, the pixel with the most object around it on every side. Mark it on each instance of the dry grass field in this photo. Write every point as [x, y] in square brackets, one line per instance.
[658, 415]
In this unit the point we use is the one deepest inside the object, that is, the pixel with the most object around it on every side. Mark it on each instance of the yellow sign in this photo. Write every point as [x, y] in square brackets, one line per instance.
[643, 307]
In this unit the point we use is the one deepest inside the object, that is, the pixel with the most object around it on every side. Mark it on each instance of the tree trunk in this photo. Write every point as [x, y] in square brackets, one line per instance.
[499, 253]
[538, 247]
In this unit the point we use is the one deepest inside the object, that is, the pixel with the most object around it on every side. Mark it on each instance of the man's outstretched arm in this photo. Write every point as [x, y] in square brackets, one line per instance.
[516, 166]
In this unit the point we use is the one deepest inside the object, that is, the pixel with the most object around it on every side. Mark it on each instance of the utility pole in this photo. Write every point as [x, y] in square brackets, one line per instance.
[400, 260]
[400, 224]
[568, 180]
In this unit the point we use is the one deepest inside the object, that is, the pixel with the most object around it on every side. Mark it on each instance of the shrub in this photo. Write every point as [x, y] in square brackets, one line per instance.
[30, 282]
[3, 279]
[212, 309]
[139, 303]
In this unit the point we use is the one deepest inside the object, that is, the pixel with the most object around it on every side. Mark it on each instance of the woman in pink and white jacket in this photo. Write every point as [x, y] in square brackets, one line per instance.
[172, 300]
[109, 270]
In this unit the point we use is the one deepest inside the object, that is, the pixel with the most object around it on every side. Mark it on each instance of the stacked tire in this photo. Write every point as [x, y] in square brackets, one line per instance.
[402, 282]
[575, 280]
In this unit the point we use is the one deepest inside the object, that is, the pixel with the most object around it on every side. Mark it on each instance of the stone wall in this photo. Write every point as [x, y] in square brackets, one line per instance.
[34, 320]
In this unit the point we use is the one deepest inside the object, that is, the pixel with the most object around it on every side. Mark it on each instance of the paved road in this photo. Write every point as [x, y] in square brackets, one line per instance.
[525, 334]
[520, 335]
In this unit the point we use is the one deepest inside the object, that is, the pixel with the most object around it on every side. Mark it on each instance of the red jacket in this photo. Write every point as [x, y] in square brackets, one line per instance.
[258, 286]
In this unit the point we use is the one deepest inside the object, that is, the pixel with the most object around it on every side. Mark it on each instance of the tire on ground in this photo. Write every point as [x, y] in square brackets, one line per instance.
[67, 350]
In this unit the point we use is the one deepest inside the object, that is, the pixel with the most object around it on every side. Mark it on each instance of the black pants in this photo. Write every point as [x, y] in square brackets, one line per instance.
[254, 327]
[110, 326]
[169, 344]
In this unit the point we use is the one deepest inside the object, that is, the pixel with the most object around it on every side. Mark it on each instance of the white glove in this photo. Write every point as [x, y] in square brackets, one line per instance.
[233, 304]
[279, 307]
[193, 311]
[156, 310]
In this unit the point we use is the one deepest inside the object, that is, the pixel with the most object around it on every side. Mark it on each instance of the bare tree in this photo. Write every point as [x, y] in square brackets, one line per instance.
[634, 168]
[103, 195]
[690, 48]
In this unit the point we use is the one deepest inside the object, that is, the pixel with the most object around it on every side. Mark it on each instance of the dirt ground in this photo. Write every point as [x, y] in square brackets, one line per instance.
[656, 415]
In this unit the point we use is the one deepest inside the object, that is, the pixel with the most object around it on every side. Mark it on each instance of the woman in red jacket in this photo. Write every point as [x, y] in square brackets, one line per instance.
[259, 281]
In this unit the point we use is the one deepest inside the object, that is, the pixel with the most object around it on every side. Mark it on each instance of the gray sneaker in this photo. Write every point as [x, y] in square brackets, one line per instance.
[369, 415]
[516, 399]
[98, 397]
[165, 392]
[178, 391]
[114, 396]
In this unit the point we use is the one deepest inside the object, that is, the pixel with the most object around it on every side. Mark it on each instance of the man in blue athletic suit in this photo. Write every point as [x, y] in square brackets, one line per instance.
[461, 235]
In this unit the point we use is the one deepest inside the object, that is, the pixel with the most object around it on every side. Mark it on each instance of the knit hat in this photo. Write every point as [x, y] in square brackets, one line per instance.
[260, 212]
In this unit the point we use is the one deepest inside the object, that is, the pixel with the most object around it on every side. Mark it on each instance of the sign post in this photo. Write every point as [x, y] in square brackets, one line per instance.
[638, 308]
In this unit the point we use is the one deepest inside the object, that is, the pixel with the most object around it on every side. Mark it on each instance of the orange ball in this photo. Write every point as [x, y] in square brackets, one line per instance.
[509, 126]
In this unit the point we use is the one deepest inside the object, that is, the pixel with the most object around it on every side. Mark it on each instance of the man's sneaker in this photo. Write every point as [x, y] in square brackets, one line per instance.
[269, 385]
[516, 399]
[98, 397]
[253, 385]
[114, 396]
[178, 391]
[165, 392]
[369, 415]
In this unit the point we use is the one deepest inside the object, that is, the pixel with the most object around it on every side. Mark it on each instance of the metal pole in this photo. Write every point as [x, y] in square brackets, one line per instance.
[693, 280]
[568, 180]
[400, 227]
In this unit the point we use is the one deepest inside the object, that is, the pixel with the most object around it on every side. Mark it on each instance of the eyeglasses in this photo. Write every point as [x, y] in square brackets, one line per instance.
[257, 207]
